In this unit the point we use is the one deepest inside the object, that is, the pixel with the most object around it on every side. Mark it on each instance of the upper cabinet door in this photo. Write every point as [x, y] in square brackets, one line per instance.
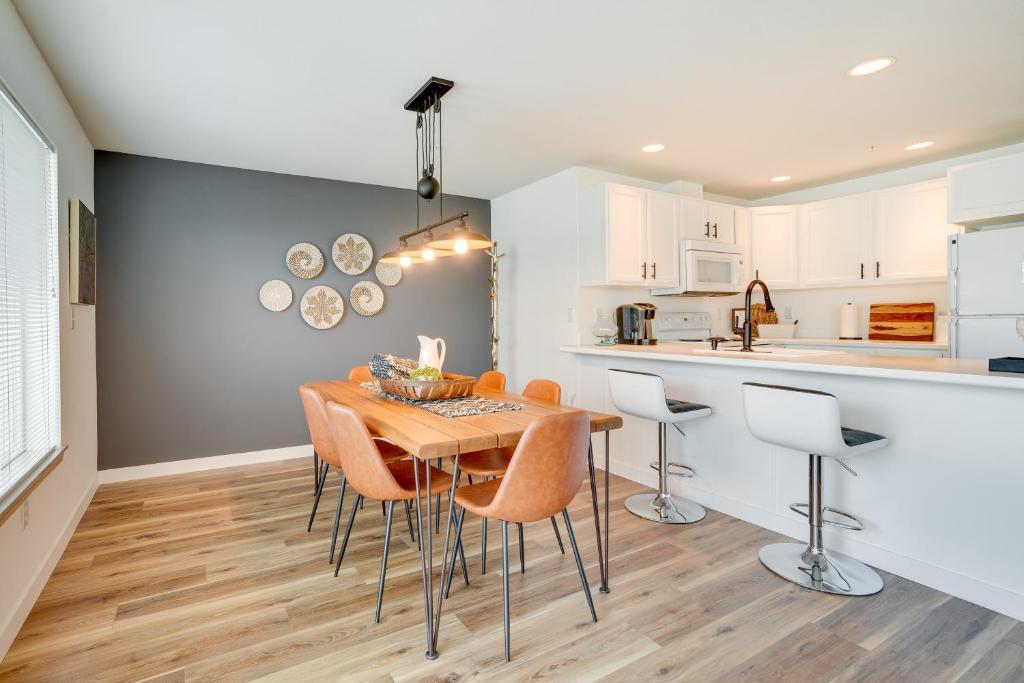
[773, 246]
[989, 191]
[910, 233]
[626, 236]
[721, 221]
[663, 218]
[695, 225]
[835, 242]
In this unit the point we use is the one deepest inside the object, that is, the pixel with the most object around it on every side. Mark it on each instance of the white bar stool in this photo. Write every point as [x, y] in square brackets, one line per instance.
[807, 420]
[642, 394]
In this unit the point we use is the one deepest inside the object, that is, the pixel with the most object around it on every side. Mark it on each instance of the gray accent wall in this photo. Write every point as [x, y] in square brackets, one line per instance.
[189, 364]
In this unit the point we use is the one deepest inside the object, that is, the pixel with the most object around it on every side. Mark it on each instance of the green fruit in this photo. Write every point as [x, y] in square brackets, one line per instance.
[425, 374]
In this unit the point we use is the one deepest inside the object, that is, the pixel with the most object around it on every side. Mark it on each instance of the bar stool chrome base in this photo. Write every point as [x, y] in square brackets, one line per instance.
[824, 571]
[665, 508]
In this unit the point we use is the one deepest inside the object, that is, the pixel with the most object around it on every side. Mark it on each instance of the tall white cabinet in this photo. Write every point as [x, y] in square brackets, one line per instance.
[773, 246]
[835, 242]
[910, 232]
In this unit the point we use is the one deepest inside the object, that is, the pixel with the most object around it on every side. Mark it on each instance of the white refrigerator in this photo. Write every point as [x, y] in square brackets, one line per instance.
[986, 294]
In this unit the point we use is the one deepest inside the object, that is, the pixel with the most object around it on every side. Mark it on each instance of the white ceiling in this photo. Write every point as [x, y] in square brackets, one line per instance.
[739, 91]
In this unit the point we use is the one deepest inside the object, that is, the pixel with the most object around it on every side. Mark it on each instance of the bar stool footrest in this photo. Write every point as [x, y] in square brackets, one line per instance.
[853, 525]
[687, 473]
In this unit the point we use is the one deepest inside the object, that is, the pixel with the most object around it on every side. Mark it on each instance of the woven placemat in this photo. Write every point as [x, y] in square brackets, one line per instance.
[450, 407]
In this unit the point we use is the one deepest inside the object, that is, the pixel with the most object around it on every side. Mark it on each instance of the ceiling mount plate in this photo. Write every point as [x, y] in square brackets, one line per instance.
[433, 89]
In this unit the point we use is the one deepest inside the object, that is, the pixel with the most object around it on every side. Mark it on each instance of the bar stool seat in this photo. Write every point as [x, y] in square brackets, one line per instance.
[642, 394]
[808, 420]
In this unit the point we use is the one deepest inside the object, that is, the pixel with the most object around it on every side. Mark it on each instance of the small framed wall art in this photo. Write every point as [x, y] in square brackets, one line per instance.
[81, 254]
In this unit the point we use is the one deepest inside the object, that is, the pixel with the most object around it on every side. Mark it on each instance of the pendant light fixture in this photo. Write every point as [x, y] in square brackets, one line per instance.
[461, 239]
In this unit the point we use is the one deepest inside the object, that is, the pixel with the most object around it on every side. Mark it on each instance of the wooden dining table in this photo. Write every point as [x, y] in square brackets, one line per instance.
[429, 437]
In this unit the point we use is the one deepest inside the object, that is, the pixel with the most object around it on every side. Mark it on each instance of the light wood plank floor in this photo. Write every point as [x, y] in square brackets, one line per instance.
[212, 576]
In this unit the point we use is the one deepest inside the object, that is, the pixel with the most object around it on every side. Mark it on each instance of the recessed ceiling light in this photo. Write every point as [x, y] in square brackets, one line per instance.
[780, 178]
[919, 145]
[872, 66]
[652, 148]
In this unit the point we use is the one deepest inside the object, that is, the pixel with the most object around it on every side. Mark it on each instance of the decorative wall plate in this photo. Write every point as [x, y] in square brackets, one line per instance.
[389, 274]
[305, 260]
[367, 298]
[322, 307]
[352, 254]
[275, 295]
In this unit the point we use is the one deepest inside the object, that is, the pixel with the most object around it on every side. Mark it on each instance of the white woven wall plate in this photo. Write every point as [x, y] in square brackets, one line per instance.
[367, 298]
[322, 307]
[389, 274]
[305, 260]
[275, 295]
[352, 254]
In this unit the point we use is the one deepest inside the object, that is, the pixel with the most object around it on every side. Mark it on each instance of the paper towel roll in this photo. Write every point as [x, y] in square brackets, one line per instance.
[849, 321]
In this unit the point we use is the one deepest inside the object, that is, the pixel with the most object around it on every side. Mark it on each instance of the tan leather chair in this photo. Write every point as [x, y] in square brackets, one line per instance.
[372, 477]
[492, 462]
[492, 379]
[543, 477]
[326, 451]
[360, 373]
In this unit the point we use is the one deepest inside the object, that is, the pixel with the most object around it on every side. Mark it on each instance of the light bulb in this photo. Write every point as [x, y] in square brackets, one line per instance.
[404, 261]
[461, 246]
[427, 254]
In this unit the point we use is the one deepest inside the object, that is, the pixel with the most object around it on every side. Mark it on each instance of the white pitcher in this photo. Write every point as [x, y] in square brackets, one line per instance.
[431, 352]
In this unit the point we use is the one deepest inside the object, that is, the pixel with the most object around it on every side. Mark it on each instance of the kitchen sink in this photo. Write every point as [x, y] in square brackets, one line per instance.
[773, 351]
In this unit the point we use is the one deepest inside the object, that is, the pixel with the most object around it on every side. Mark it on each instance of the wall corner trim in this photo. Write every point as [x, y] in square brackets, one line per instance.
[212, 462]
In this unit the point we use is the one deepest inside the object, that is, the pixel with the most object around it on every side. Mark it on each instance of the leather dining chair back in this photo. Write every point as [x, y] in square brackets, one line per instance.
[360, 459]
[315, 407]
[543, 390]
[360, 373]
[546, 471]
[492, 379]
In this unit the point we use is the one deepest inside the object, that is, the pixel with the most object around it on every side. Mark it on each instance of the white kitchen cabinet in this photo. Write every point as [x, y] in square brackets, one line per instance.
[773, 246]
[836, 242]
[878, 351]
[708, 221]
[628, 236]
[990, 191]
[910, 233]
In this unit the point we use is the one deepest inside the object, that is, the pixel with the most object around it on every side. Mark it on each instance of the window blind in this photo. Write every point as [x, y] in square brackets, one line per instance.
[29, 313]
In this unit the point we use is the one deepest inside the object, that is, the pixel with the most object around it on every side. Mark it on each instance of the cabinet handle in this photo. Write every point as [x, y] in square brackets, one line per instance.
[757, 274]
[645, 270]
[707, 228]
[862, 271]
[878, 269]
[715, 226]
[654, 270]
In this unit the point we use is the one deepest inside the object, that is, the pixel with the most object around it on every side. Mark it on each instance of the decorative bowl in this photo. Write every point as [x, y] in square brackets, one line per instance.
[776, 331]
[452, 386]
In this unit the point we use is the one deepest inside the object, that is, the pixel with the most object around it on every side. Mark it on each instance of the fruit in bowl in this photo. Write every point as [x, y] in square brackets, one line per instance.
[426, 374]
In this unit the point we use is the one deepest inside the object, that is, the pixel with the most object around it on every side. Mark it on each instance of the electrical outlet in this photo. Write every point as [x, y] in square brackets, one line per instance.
[24, 515]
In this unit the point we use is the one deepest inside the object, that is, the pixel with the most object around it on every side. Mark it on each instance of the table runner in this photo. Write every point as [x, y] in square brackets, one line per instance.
[450, 407]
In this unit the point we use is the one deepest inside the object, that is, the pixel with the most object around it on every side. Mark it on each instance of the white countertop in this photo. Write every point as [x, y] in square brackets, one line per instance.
[865, 343]
[912, 368]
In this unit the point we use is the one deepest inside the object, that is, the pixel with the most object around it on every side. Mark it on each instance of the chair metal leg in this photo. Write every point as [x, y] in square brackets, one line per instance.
[504, 586]
[483, 547]
[337, 517]
[348, 532]
[319, 490]
[408, 520]
[522, 552]
[558, 535]
[383, 509]
[458, 546]
[316, 472]
[579, 564]
[384, 560]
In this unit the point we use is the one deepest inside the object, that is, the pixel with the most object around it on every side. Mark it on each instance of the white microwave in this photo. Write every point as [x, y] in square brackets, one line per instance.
[706, 269]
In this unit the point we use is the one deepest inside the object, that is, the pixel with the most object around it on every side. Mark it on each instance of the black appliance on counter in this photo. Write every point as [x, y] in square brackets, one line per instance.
[635, 323]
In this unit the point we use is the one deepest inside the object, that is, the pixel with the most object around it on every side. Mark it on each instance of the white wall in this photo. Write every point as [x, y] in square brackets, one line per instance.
[27, 556]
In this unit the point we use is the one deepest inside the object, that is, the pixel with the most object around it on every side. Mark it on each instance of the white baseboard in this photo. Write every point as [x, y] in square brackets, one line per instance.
[992, 597]
[212, 462]
[10, 630]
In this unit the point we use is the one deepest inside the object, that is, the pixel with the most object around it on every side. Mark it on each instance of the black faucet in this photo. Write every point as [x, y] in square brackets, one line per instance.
[747, 327]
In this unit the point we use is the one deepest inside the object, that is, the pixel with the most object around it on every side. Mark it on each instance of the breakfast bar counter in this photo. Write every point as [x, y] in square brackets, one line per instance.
[934, 502]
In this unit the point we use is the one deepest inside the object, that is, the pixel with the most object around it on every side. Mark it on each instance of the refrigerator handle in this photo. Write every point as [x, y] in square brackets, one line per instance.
[952, 281]
[954, 338]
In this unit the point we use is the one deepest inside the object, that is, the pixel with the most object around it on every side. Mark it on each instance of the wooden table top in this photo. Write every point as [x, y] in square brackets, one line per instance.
[428, 435]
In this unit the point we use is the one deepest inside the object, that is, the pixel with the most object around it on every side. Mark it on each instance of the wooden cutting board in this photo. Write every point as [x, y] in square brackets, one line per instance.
[902, 322]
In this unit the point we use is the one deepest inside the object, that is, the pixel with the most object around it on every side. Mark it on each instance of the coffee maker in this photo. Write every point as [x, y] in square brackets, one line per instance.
[635, 322]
